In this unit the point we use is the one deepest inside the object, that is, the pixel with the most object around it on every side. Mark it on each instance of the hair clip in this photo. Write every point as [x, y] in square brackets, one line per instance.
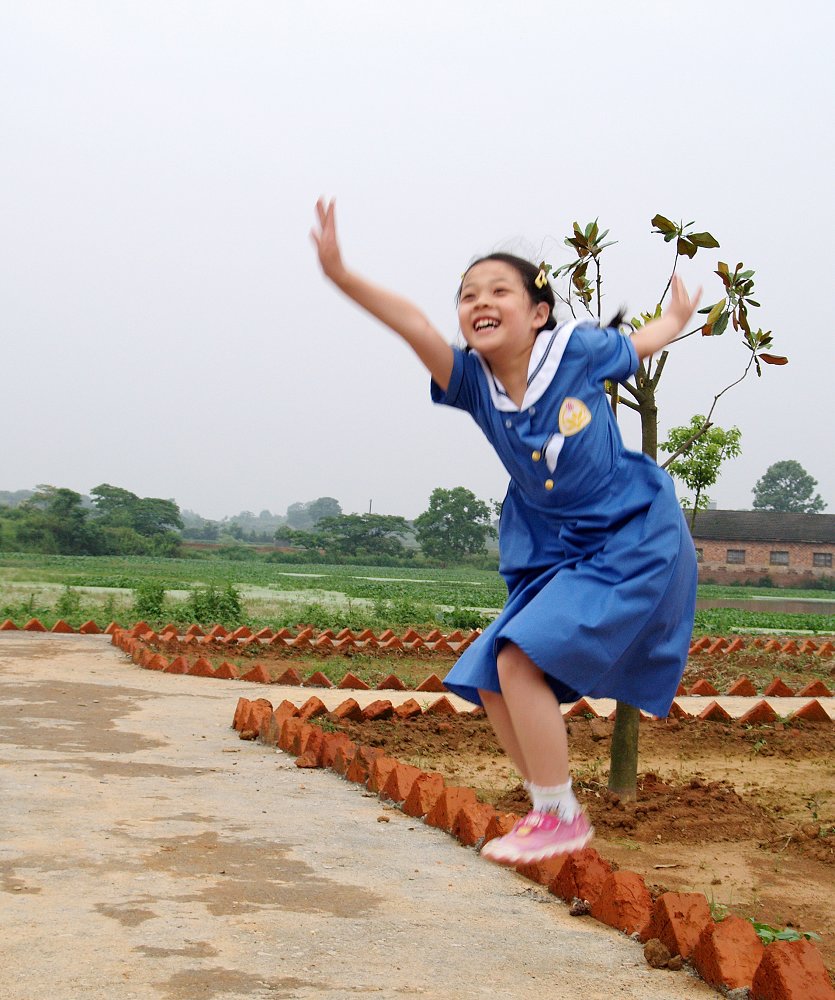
[541, 279]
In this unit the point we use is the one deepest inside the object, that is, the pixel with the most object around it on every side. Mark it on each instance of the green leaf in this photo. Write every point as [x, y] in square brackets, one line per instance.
[720, 325]
[704, 240]
[752, 302]
[685, 247]
[664, 225]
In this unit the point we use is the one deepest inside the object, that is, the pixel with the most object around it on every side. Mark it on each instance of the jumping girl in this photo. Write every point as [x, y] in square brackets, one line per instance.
[598, 561]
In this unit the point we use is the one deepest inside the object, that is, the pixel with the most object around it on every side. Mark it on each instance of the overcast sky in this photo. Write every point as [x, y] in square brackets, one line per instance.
[164, 326]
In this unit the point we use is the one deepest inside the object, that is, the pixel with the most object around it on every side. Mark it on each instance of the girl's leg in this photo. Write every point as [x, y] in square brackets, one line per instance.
[497, 713]
[536, 725]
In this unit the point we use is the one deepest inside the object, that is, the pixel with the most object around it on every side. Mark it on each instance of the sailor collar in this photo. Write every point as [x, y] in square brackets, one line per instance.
[546, 356]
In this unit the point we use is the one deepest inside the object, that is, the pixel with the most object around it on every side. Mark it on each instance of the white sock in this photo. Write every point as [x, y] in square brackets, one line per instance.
[557, 799]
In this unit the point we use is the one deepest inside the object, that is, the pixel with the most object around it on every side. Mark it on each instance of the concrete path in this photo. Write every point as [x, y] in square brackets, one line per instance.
[146, 852]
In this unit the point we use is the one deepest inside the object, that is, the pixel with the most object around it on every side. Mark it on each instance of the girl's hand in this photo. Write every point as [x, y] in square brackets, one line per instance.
[327, 245]
[681, 306]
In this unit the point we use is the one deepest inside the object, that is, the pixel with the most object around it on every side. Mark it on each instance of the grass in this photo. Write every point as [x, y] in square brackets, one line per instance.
[78, 588]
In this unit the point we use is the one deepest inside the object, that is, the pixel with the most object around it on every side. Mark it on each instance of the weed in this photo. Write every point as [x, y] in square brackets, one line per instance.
[768, 934]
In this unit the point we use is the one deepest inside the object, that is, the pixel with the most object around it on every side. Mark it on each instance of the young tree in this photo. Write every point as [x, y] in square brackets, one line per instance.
[698, 467]
[639, 393]
[456, 524]
[787, 486]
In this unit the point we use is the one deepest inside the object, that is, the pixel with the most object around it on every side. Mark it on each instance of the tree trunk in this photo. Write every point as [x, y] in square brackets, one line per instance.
[623, 757]
[623, 765]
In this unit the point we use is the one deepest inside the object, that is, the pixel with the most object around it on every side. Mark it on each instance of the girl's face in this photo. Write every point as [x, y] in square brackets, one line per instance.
[496, 314]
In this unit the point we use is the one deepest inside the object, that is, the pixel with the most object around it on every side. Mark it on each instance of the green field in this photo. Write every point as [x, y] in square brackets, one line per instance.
[104, 588]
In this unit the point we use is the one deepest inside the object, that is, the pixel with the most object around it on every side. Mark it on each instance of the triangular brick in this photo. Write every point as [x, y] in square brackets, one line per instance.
[365, 635]
[318, 679]
[345, 633]
[242, 632]
[264, 633]
[443, 706]
[111, 628]
[773, 646]
[410, 635]
[395, 642]
[717, 646]
[581, 709]
[408, 709]
[703, 642]
[807, 646]
[761, 713]
[736, 646]
[290, 676]
[348, 709]
[194, 630]
[353, 682]
[681, 691]
[812, 711]
[815, 689]
[378, 710]
[778, 689]
[226, 672]
[324, 643]
[433, 636]
[677, 712]
[742, 688]
[825, 649]
[447, 805]
[703, 687]
[471, 822]
[344, 645]
[391, 683]
[312, 708]
[34, 625]
[455, 636]
[432, 683]
[258, 675]
[442, 646]
[282, 633]
[306, 633]
[201, 668]
[216, 632]
[89, 628]
[386, 635]
[424, 793]
[62, 628]
[8, 626]
[179, 665]
[715, 713]
[789, 647]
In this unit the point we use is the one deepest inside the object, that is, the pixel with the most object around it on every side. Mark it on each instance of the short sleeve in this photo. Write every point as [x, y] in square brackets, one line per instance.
[611, 353]
[462, 391]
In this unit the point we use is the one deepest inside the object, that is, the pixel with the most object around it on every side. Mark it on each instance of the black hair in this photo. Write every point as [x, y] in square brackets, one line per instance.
[528, 272]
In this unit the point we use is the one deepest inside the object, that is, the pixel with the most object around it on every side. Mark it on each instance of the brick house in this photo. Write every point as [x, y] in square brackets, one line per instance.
[793, 550]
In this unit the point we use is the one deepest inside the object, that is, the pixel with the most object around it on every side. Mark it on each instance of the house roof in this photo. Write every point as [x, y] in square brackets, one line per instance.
[764, 526]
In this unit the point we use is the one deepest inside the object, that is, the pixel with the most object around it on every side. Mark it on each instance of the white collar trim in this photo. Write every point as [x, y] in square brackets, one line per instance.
[546, 356]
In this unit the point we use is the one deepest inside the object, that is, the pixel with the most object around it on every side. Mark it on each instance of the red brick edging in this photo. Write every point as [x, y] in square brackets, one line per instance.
[728, 955]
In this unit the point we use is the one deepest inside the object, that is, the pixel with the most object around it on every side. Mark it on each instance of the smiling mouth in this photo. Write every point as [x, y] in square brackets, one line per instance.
[485, 324]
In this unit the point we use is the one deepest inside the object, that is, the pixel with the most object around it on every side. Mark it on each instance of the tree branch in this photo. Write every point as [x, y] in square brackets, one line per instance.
[660, 368]
[688, 443]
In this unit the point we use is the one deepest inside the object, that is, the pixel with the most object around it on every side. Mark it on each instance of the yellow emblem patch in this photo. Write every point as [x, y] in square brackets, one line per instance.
[574, 416]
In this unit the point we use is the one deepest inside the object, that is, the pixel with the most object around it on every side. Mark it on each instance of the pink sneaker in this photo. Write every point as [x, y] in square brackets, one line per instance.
[538, 836]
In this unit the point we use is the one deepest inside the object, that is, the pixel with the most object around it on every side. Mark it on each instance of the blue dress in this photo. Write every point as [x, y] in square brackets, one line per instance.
[599, 563]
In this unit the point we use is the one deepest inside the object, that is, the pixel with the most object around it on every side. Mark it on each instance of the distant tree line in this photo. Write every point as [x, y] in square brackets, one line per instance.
[57, 520]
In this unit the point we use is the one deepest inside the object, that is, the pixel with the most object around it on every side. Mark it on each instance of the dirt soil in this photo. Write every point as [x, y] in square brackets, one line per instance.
[744, 815]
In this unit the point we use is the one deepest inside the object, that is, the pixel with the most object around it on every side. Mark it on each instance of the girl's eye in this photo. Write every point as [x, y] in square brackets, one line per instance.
[468, 297]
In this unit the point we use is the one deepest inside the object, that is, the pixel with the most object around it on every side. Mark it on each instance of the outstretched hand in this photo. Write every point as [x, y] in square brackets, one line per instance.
[324, 236]
[682, 306]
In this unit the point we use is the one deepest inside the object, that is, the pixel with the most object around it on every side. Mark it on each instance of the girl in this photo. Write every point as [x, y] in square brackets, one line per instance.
[599, 564]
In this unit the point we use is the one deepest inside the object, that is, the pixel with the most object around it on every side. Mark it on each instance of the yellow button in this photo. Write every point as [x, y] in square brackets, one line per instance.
[536, 455]
[549, 484]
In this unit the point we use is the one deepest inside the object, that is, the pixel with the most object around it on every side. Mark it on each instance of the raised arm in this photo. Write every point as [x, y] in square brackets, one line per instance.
[397, 313]
[659, 332]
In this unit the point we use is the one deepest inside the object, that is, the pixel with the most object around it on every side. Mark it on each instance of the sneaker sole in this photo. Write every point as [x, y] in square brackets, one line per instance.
[537, 854]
